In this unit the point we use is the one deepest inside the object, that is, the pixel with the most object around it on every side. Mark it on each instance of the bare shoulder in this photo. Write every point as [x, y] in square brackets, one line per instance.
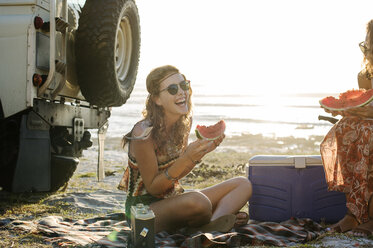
[142, 130]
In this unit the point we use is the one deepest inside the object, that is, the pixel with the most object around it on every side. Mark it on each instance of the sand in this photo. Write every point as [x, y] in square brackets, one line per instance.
[84, 194]
[230, 159]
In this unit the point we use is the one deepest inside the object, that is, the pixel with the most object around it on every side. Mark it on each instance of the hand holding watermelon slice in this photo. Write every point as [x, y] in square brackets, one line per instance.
[209, 137]
[365, 111]
[212, 132]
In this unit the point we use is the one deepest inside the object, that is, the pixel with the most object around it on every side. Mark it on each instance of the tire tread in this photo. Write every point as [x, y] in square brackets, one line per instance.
[95, 52]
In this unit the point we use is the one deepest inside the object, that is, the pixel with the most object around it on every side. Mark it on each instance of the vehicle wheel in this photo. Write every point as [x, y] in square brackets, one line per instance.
[107, 51]
[62, 166]
[64, 158]
[9, 146]
[62, 170]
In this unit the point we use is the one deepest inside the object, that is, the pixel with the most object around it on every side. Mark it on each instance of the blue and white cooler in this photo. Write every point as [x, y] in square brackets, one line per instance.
[292, 186]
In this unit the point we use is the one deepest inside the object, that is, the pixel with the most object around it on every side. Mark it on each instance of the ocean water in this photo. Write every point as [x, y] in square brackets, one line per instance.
[244, 113]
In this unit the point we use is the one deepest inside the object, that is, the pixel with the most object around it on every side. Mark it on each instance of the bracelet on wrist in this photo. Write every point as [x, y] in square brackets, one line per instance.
[168, 176]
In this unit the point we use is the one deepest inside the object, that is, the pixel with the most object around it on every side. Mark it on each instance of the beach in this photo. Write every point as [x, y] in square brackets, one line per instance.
[85, 197]
[252, 129]
[228, 160]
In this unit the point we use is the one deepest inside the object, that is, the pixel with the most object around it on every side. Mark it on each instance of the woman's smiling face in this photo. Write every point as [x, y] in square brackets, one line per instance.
[173, 104]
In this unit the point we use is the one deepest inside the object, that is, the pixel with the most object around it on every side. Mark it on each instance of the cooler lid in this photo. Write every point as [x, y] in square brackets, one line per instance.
[298, 161]
[141, 211]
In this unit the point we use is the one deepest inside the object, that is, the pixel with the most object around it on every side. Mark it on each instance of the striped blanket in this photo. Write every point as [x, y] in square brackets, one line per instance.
[113, 231]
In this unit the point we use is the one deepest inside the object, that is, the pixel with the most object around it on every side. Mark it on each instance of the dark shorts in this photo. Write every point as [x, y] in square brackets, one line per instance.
[133, 200]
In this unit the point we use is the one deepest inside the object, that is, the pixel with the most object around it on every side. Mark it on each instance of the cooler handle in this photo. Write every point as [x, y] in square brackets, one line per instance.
[300, 162]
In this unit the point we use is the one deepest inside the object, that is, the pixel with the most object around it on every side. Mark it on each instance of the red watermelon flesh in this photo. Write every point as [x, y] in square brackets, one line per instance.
[210, 132]
[348, 99]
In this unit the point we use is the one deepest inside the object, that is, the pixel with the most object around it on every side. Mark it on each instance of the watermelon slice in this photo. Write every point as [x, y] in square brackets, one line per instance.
[348, 99]
[210, 132]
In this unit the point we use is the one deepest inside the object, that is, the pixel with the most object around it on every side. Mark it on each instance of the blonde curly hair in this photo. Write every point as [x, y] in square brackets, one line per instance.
[155, 113]
[368, 55]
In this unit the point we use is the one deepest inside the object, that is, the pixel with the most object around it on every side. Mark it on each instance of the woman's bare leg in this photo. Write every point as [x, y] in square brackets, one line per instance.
[190, 209]
[229, 196]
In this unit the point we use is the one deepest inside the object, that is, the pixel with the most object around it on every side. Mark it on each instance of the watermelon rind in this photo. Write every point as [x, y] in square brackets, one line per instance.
[342, 100]
[201, 136]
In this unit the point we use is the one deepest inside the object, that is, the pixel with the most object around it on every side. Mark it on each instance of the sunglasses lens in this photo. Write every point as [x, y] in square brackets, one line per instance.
[172, 89]
[184, 85]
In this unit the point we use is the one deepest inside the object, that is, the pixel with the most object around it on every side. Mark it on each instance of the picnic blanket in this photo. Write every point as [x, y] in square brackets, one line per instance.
[112, 230]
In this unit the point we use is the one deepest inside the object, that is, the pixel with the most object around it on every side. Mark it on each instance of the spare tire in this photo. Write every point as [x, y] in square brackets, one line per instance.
[107, 51]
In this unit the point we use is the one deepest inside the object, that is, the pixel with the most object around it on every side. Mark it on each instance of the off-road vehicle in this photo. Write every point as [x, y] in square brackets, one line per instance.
[63, 65]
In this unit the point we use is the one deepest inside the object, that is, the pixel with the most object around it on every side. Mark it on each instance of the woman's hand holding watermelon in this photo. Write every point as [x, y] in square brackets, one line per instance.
[333, 112]
[209, 137]
[199, 148]
[364, 111]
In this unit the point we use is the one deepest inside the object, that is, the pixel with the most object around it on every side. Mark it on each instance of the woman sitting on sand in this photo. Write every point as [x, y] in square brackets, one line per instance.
[159, 155]
[347, 153]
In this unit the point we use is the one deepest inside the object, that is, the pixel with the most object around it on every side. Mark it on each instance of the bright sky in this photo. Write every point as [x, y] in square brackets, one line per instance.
[243, 46]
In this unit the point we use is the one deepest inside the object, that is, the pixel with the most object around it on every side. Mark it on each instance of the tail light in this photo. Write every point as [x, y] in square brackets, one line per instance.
[38, 22]
[37, 80]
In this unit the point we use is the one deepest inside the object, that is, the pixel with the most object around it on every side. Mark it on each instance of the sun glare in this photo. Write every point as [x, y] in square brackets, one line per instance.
[259, 46]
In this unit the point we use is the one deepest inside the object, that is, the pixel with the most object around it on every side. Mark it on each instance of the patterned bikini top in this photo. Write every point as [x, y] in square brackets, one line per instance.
[132, 181]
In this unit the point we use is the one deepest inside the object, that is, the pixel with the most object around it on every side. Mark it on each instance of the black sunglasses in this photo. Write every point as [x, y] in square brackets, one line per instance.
[174, 88]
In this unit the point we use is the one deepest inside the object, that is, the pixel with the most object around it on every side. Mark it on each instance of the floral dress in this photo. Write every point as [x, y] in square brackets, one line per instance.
[132, 181]
[347, 154]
